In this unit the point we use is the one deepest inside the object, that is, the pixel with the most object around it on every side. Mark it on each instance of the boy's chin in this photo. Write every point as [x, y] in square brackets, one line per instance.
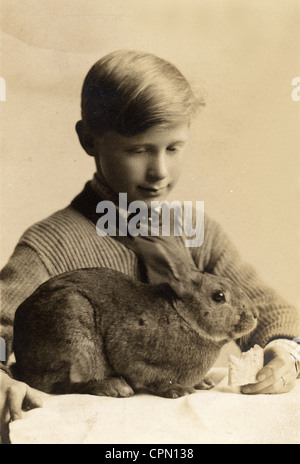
[153, 201]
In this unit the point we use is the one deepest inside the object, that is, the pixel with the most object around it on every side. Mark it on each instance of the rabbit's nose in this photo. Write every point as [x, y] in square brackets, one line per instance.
[255, 312]
[250, 307]
[247, 311]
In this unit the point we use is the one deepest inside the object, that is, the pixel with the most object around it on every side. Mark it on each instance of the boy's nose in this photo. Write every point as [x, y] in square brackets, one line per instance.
[157, 168]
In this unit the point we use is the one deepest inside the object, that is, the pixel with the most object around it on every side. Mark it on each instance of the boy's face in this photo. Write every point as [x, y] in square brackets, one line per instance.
[145, 166]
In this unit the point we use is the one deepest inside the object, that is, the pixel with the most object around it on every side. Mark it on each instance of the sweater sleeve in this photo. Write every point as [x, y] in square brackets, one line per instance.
[277, 318]
[23, 273]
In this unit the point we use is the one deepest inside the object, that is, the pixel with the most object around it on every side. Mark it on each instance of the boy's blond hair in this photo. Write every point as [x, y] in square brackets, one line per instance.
[129, 92]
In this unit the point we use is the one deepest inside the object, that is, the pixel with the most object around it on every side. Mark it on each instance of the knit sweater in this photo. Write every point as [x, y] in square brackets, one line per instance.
[67, 240]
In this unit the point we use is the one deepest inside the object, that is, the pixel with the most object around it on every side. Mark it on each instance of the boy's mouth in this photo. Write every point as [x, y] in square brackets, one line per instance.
[153, 191]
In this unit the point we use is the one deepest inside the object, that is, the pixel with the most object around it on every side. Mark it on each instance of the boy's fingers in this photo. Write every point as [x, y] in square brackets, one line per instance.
[275, 369]
[281, 385]
[272, 380]
[269, 376]
[32, 399]
[15, 397]
[266, 378]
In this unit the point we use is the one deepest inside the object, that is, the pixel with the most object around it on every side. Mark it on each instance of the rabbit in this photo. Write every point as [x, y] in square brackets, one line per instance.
[98, 331]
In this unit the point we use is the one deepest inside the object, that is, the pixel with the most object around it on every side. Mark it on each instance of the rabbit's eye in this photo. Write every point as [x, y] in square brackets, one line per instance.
[219, 297]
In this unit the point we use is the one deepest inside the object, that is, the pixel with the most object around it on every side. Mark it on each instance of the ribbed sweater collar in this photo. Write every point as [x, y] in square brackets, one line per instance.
[94, 191]
[100, 187]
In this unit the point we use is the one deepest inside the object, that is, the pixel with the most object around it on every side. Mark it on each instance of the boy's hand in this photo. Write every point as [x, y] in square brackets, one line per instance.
[14, 396]
[277, 376]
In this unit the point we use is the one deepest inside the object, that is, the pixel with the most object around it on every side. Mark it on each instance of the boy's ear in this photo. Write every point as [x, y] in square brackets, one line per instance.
[86, 138]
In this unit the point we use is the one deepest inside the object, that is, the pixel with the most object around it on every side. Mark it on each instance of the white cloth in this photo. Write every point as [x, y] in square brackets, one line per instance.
[217, 416]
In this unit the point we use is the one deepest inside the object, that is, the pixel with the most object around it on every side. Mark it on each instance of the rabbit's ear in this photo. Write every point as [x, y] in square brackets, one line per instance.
[166, 260]
[187, 284]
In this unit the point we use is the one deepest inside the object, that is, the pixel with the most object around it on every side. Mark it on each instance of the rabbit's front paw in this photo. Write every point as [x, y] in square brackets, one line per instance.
[117, 387]
[205, 384]
[176, 391]
[172, 390]
[112, 386]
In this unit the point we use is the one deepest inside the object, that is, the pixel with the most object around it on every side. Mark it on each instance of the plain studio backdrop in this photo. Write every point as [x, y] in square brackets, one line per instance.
[243, 157]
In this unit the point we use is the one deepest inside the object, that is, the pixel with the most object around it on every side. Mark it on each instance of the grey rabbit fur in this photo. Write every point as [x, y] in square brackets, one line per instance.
[100, 332]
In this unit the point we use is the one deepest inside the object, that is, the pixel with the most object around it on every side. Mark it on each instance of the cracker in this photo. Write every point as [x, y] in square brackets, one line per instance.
[243, 370]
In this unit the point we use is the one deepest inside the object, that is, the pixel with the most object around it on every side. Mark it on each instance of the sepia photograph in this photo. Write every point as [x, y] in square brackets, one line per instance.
[150, 226]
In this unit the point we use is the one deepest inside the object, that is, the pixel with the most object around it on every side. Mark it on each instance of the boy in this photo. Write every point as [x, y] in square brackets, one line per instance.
[136, 111]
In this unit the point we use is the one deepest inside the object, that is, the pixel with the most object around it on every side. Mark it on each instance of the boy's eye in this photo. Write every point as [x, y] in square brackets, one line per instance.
[137, 151]
[144, 150]
[174, 148]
